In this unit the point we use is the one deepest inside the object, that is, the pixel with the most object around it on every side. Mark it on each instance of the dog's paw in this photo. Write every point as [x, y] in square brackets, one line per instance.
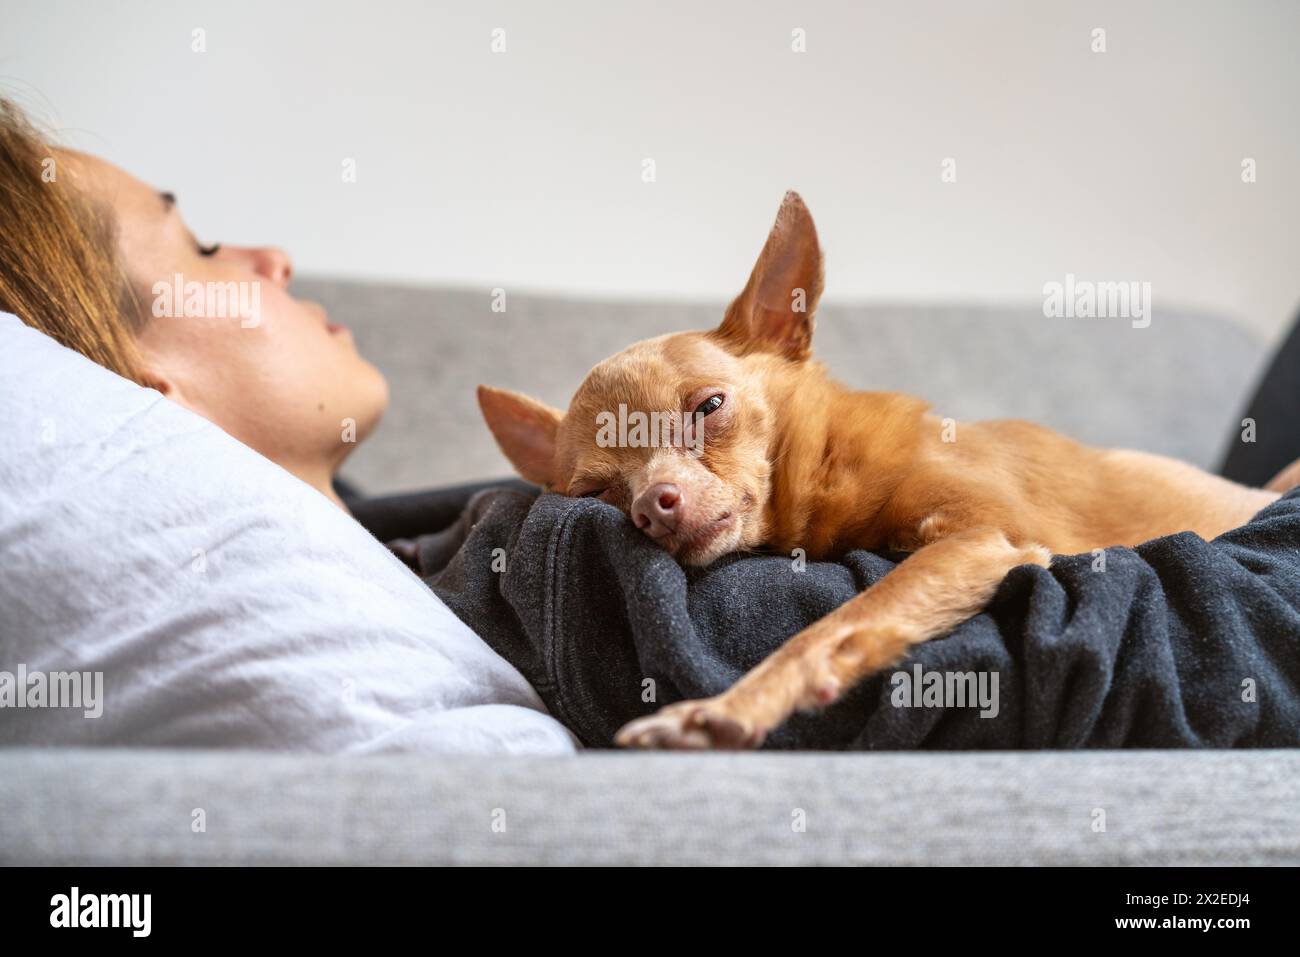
[691, 726]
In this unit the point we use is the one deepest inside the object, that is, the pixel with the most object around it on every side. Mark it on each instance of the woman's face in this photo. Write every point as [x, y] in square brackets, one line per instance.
[224, 338]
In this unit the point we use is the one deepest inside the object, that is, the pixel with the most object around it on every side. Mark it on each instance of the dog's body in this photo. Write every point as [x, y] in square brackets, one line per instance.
[778, 456]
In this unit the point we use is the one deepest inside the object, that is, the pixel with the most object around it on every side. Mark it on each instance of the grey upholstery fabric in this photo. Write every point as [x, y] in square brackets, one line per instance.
[137, 807]
[1176, 387]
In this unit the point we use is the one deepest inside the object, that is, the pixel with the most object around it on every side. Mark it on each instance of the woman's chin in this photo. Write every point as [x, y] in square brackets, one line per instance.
[370, 397]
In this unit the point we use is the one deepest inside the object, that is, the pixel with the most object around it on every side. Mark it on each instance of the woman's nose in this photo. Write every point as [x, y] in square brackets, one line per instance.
[267, 261]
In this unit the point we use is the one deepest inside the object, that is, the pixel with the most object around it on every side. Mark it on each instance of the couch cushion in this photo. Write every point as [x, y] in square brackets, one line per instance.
[1097, 807]
[1175, 387]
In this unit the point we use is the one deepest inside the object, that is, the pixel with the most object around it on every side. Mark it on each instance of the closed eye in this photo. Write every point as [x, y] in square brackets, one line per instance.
[209, 250]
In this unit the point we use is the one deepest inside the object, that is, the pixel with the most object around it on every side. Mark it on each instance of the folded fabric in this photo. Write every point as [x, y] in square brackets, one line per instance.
[1176, 643]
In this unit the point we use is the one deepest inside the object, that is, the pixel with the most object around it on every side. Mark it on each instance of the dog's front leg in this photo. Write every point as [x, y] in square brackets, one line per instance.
[930, 593]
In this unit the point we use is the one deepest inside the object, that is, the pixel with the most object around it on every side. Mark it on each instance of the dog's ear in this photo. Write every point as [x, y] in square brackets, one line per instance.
[774, 312]
[524, 429]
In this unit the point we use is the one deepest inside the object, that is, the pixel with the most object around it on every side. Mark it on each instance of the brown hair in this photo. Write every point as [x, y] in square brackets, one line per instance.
[59, 269]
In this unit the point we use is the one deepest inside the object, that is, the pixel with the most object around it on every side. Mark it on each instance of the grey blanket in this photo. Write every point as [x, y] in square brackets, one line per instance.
[1177, 643]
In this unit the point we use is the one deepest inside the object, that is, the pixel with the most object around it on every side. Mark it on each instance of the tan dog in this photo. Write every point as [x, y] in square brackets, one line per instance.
[772, 454]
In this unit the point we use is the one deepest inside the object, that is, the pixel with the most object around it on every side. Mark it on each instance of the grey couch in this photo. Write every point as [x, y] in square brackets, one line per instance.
[1176, 387]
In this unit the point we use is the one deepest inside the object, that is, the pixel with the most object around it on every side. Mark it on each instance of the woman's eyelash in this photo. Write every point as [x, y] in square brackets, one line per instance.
[209, 250]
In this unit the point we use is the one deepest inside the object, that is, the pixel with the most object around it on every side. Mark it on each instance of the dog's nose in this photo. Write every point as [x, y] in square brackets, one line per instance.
[656, 510]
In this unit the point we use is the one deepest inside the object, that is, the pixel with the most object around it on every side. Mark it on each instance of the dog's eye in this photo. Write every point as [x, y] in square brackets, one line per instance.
[710, 405]
[594, 493]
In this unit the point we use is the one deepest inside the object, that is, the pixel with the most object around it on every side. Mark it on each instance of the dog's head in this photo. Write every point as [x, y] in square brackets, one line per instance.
[679, 431]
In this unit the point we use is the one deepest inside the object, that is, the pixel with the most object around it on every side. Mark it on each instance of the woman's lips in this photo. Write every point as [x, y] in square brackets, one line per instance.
[333, 328]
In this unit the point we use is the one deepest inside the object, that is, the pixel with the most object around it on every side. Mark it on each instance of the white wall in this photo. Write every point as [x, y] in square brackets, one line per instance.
[523, 169]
